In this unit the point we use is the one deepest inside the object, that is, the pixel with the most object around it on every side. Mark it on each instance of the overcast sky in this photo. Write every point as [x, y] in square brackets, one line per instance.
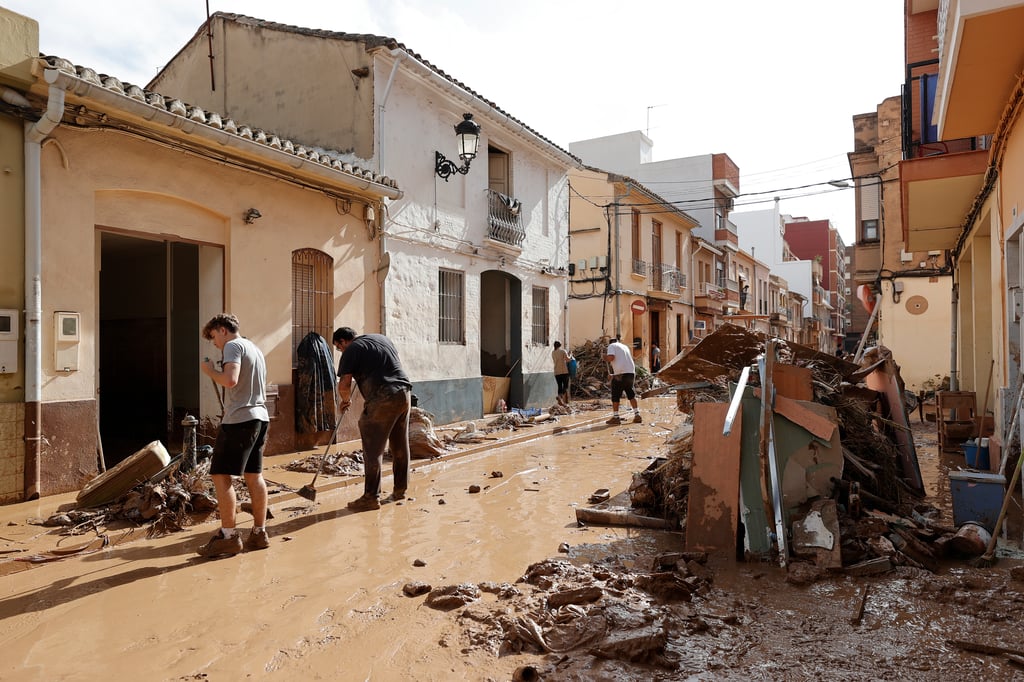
[772, 84]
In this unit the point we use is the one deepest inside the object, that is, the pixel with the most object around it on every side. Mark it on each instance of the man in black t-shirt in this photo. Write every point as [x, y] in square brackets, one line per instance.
[371, 360]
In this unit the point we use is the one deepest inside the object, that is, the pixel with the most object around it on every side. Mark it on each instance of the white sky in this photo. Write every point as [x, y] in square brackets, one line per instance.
[774, 85]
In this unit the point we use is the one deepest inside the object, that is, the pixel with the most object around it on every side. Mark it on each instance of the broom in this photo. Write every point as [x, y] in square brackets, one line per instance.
[988, 558]
[309, 491]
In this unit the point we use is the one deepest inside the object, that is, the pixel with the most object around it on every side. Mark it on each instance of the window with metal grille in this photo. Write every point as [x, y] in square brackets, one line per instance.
[451, 319]
[312, 294]
[540, 316]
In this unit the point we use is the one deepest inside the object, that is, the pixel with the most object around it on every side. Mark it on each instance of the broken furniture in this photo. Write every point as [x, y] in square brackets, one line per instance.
[128, 473]
[956, 415]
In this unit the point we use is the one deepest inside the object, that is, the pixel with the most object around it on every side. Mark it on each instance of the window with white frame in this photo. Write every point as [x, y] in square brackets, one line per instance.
[451, 318]
[540, 316]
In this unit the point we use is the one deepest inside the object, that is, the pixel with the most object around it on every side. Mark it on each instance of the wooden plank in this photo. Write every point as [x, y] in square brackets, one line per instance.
[800, 415]
[819, 426]
[793, 382]
[713, 505]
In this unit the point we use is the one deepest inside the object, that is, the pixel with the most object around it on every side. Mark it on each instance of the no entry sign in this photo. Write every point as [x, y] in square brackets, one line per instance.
[638, 307]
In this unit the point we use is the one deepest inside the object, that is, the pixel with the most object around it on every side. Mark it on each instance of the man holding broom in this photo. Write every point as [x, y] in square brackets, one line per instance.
[371, 360]
[242, 435]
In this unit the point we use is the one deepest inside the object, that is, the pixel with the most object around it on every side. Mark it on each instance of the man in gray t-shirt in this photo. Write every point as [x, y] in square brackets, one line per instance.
[242, 434]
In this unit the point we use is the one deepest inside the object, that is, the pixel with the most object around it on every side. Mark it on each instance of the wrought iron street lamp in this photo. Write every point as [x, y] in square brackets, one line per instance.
[468, 135]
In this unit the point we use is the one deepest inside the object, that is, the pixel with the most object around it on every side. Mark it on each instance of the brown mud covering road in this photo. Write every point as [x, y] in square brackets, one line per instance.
[498, 584]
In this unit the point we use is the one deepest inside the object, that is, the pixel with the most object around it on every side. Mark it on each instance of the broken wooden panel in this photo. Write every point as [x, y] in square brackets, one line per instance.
[793, 382]
[885, 379]
[713, 505]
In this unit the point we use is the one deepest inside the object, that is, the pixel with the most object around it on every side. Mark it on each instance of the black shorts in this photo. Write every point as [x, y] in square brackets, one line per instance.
[622, 383]
[239, 448]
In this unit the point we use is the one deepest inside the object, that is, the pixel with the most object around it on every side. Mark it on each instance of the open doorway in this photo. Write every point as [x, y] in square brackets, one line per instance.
[150, 316]
[501, 336]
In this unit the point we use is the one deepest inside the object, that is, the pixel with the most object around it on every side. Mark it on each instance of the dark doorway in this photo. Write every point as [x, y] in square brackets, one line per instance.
[148, 342]
[501, 332]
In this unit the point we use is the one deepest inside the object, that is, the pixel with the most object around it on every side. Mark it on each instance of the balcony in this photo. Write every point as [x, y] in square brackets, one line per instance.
[666, 278]
[711, 291]
[639, 267]
[979, 59]
[780, 315]
[504, 219]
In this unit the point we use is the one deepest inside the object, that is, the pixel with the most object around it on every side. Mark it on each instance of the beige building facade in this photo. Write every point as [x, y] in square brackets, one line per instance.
[631, 255]
[133, 218]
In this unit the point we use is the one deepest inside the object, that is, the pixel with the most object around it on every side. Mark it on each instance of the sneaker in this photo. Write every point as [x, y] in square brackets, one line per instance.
[614, 421]
[364, 503]
[637, 419]
[257, 540]
[221, 546]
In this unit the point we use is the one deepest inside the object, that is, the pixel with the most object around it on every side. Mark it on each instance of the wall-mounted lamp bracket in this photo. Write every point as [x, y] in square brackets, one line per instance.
[445, 168]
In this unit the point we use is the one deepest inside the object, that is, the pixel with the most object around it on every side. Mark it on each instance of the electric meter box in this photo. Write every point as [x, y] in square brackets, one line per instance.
[66, 338]
[10, 333]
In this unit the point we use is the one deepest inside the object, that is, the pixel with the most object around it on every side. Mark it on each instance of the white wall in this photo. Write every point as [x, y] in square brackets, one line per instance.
[444, 224]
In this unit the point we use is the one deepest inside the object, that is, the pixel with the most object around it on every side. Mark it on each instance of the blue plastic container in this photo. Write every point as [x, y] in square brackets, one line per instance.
[977, 496]
[976, 456]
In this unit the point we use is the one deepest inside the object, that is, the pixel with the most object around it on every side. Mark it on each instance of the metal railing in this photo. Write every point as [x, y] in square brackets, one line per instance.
[504, 219]
[639, 267]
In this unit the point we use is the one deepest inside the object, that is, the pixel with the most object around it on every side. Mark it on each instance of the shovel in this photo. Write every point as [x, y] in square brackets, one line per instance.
[309, 491]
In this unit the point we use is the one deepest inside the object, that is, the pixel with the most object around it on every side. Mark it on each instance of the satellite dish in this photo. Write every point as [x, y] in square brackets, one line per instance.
[384, 267]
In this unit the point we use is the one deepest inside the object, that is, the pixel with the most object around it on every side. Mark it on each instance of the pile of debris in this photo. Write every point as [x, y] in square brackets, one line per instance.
[592, 380]
[833, 483]
[166, 502]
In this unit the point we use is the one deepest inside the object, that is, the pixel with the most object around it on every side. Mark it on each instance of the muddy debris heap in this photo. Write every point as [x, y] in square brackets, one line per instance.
[822, 477]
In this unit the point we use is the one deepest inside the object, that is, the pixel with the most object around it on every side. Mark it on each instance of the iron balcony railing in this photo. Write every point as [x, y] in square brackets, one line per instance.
[639, 267]
[665, 278]
[504, 219]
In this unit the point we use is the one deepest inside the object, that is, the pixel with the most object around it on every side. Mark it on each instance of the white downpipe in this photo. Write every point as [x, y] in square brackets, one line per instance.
[382, 250]
[35, 133]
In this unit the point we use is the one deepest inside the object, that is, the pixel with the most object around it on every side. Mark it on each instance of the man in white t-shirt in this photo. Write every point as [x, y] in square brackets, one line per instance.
[623, 372]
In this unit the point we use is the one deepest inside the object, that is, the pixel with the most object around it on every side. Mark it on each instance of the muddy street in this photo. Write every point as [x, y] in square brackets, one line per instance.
[329, 601]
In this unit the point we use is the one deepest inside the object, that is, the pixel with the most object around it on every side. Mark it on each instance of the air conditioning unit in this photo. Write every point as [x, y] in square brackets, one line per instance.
[730, 203]
[699, 325]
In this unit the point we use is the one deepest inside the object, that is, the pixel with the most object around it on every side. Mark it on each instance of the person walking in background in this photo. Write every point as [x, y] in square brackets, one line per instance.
[655, 358]
[561, 359]
[623, 372]
[238, 450]
[372, 361]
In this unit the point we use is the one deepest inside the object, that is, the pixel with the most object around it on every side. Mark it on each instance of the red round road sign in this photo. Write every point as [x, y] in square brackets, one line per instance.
[638, 307]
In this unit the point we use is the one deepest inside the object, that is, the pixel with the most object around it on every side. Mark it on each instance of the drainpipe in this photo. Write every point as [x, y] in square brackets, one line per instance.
[35, 133]
[382, 251]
